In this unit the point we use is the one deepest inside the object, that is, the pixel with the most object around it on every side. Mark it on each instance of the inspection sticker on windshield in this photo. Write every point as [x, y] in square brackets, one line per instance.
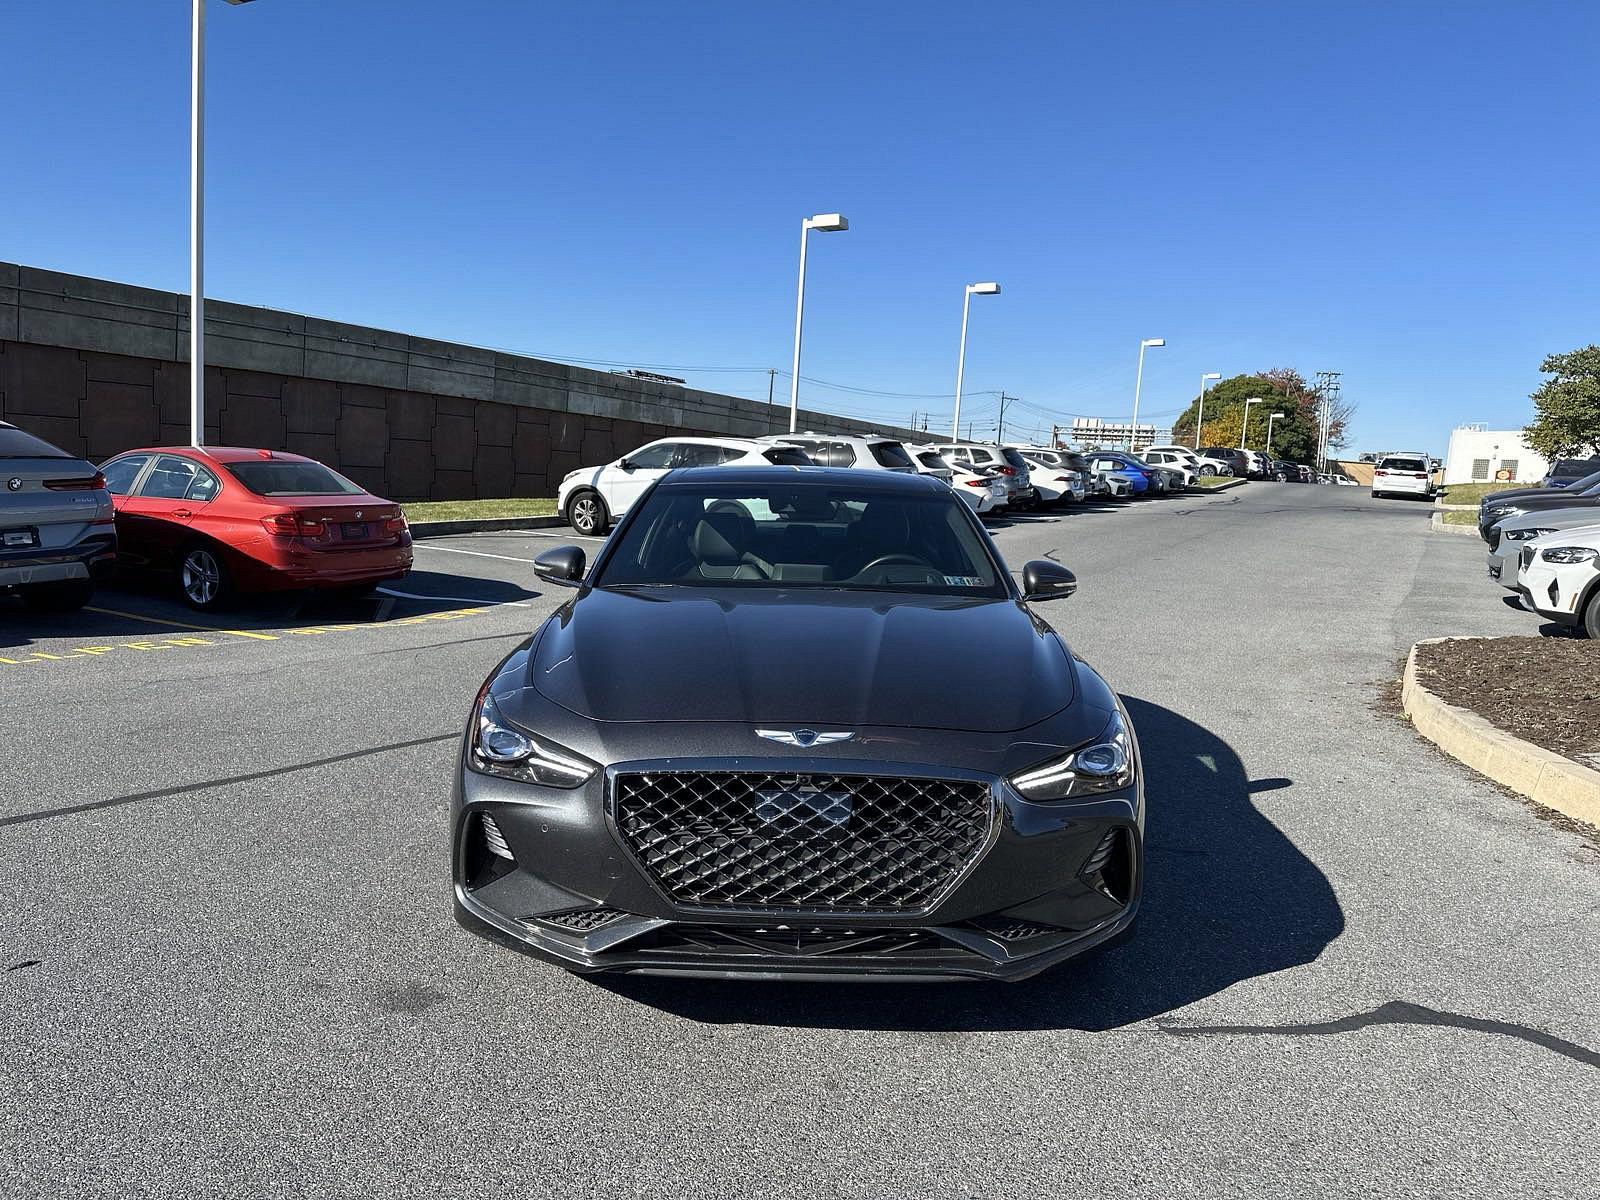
[963, 581]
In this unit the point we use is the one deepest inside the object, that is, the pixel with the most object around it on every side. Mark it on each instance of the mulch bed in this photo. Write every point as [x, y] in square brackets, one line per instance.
[1543, 690]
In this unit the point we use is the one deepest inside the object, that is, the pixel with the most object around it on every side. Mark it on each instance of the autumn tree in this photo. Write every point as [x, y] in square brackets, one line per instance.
[1566, 422]
[1279, 390]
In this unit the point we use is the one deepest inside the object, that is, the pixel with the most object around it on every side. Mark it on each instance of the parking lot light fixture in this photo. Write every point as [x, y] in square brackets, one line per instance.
[1270, 420]
[1200, 417]
[1246, 428]
[973, 289]
[824, 223]
[1138, 383]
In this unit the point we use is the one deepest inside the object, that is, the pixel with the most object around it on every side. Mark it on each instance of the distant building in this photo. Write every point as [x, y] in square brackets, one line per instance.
[1094, 431]
[1479, 455]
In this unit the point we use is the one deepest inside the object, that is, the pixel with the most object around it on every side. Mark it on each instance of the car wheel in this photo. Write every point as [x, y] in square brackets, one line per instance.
[586, 513]
[1591, 616]
[67, 596]
[203, 578]
[1207, 470]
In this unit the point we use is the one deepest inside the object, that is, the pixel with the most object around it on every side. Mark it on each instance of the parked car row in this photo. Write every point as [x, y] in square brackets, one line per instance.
[1544, 546]
[988, 477]
[216, 521]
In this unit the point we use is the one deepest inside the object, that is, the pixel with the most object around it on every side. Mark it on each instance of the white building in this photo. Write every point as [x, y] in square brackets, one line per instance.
[1478, 455]
[1093, 431]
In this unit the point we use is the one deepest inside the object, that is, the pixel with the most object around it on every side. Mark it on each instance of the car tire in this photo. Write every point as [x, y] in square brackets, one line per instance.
[69, 595]
[203, 578]
[1206, 470]
[586, 513]
[1591, 615]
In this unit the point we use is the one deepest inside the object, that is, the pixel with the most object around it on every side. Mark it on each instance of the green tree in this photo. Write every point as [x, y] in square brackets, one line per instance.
[1566, 422]
[1279, 390]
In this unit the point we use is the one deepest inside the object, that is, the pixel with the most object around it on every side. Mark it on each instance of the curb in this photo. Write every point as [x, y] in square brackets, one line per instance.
[1437, 525]
[1236, 481]
[1441, 506]
[427, 529]
[1543, 776]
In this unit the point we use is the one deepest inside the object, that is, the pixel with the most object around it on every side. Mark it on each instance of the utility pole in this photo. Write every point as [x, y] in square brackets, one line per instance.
[772, 376]
[1000, 427]
[1327, 390]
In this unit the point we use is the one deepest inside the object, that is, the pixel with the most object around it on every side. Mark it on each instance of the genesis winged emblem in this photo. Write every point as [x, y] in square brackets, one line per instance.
[804, 737]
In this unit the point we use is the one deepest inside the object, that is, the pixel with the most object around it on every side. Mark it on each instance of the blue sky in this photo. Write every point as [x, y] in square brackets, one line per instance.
[1406, 193]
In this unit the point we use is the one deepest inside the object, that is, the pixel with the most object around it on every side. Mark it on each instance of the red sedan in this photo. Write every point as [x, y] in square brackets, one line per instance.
[226, 520]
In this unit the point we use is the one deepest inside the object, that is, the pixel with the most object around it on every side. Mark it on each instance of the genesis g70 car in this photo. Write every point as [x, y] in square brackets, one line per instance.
[735, 751]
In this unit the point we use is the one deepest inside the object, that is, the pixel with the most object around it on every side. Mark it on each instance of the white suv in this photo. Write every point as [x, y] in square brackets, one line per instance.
[1559, 577]
[592, 497]
[1191, 460]
[1404, 474]
[830, 450]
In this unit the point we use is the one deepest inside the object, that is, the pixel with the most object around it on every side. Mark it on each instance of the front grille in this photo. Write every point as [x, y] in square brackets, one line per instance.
[698, 941]
[1494, 537]
[807, 842]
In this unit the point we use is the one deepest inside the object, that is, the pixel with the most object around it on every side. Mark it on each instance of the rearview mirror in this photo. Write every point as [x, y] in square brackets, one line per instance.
[1043, 579]
[563, 565]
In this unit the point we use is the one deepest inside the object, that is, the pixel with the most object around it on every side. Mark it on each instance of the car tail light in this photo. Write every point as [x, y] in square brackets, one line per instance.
[1419, 475]
[84, 483]
[294, 525]
[983, 483]
[1380, 472]
[1008, 470]
[395, 525]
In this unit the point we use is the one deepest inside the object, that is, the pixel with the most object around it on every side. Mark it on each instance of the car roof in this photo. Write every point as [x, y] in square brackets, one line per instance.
[223, 454]
[877, 481]
[705, 440]
[869, 438]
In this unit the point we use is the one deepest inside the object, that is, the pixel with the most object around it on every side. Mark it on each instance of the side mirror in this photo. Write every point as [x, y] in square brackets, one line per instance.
[563, 565]
[624, 464]
[1043, 579]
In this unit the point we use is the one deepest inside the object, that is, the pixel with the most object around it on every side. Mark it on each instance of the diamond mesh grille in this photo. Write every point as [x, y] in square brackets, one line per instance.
[581, 920]
[846, 843]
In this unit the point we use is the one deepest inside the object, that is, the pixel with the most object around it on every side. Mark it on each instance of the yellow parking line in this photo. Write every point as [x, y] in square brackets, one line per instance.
[117, 612]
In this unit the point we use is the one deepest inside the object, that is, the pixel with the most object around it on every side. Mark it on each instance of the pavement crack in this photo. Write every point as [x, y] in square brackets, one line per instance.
[24, 964]
[1397, 1012]
[228, 781]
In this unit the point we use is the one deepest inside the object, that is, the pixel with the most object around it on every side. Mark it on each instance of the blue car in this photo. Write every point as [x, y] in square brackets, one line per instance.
[1113, 462]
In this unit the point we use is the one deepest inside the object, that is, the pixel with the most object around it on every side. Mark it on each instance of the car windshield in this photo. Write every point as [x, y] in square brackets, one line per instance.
[16, 443]
[1402, 464]
[1584, 484]
[890, 454]
[803, 535]
[1015, 459]
[280, 477]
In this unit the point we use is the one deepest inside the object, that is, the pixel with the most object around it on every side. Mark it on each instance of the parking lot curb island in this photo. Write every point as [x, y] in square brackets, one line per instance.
[1541, 775]
[1436, 523]
[426, 529]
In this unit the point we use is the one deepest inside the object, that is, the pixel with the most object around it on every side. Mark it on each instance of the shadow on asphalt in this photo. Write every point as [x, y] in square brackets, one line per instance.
[1226, 897]
[147, 607]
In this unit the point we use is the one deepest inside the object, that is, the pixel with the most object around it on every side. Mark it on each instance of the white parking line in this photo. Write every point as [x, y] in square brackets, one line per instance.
[474, 600]
[474, 553]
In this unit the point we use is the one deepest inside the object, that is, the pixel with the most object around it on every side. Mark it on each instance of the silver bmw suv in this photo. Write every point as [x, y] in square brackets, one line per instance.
[58, 533]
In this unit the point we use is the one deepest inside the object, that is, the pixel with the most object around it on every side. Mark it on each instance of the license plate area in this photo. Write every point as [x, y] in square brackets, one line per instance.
[353, 531]
[25, 538]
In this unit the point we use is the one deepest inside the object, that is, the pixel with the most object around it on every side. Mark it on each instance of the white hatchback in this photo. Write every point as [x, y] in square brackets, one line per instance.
[1558, 576]
[592, 497]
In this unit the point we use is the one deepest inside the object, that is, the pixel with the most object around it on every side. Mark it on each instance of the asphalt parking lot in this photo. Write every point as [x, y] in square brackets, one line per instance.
[228, 964]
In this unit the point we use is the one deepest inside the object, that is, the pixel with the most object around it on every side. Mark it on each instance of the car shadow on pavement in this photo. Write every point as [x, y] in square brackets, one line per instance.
[1227, 897]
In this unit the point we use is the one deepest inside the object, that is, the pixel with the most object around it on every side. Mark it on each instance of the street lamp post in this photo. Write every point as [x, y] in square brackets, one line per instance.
[1200, 417]
[1246, 428]
[826, 223]
[978, 289]
[197, 215]
[1138, 383]
[1274, 417]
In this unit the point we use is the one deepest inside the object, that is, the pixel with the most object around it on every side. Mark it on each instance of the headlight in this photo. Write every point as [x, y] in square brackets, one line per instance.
[1104, 765]
[1570, 554]
[1523, 535]
[1501, 510]
[499, 748]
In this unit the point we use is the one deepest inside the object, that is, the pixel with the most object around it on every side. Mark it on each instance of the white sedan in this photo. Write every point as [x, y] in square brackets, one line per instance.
[1559, 577]
[592, 497]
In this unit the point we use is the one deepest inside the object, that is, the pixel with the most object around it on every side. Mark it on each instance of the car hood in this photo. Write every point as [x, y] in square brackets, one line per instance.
[797, 659]
[1571, 517]
[1532, 504]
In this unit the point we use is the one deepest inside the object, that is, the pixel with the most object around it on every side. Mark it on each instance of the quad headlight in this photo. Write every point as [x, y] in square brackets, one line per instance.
[1525, 535]
[1570, 554]
[1501, 510]
[500, 748]
[1104, 765]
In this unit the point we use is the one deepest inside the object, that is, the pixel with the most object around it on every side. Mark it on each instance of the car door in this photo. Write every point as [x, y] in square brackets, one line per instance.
[625, 480]
[122, 476]
[160, 509]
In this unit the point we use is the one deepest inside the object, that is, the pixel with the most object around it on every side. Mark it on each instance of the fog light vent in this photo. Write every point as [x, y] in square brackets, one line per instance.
[1012, 929]
[583, 920]
[1102, 853]
[494, 840]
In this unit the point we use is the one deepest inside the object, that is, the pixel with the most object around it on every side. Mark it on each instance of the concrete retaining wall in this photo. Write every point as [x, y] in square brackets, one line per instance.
[98, 367]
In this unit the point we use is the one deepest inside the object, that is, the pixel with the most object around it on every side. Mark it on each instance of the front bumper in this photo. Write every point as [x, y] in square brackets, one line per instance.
[575, 894]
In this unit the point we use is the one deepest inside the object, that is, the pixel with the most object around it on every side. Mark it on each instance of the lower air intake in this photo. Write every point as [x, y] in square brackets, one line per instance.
[582, 920]
[494, 841]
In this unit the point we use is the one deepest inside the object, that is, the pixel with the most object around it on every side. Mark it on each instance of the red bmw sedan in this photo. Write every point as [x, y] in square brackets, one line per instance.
[225, 520]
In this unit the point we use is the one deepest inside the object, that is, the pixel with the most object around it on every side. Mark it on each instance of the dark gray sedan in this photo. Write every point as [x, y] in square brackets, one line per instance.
[57, 531]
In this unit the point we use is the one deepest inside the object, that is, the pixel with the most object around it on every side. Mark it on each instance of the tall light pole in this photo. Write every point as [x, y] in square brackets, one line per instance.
[1138, 383]
[1245, 429]
[973, 289]
[826, 223]
[1200, 417]
[197, 220]
[1274, 417]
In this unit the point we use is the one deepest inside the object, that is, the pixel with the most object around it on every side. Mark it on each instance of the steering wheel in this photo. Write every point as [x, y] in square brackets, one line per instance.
[885, 560]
